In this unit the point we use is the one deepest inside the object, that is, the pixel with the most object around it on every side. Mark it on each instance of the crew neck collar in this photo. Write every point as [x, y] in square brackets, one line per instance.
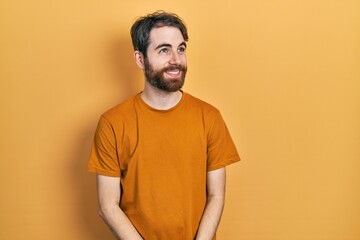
[143, 103]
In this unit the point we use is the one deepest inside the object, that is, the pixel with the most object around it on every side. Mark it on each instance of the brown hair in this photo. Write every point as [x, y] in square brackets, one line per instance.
[140, 30]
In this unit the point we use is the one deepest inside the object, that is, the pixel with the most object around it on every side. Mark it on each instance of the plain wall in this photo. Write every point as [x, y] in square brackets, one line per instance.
[285, 75]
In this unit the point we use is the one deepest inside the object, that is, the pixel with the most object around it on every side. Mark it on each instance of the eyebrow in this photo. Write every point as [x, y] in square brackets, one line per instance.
[169, 45]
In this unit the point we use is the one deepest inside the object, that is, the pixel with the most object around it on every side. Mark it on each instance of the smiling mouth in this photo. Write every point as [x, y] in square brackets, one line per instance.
[173, 73]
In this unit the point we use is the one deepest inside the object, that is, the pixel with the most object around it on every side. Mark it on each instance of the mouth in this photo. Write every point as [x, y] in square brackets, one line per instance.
[173, 73]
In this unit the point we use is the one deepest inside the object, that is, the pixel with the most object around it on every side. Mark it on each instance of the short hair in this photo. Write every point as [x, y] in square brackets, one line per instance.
[140, 30]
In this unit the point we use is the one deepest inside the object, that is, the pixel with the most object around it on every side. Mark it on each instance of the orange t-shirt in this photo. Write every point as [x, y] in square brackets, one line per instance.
[162, 157]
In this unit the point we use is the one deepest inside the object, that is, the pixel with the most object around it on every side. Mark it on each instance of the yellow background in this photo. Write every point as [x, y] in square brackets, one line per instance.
[285, 75]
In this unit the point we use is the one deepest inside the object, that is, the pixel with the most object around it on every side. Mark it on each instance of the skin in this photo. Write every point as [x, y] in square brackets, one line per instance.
[109, 194]
[215, 187]
[167, 48]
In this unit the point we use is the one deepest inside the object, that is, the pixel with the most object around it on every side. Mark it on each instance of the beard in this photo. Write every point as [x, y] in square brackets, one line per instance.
[157, 79]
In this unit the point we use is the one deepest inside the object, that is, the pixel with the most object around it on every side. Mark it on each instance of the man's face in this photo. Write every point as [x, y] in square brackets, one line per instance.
[165, 65]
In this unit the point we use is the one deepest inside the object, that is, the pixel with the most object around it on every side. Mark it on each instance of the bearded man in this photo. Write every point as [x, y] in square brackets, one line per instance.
[160, 156]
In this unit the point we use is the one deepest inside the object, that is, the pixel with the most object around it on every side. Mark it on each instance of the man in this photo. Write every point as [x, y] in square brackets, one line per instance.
[160, 156]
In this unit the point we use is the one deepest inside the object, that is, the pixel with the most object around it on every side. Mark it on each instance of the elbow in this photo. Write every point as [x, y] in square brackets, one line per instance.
[107, 209]
[101, 213]
[218, 198]
[104, 211]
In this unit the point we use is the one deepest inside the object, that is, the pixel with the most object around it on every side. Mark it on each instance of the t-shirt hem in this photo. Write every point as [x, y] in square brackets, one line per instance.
[223, 164]
[103, 172]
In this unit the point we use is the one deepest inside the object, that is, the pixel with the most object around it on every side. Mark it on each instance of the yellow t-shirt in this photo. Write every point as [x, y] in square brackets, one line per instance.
[162, 157]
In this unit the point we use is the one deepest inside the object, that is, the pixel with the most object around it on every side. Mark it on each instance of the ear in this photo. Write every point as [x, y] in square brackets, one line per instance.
[139, 59]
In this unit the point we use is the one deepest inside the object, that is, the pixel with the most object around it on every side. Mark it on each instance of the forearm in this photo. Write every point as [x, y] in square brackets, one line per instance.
[211, 218]
[119, 223]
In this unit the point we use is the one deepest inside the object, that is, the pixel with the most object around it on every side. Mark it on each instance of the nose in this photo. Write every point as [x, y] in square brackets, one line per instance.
[174, 58]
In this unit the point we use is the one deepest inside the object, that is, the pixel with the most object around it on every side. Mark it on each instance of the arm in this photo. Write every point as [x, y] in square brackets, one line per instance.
[215, 185]
[109, 193]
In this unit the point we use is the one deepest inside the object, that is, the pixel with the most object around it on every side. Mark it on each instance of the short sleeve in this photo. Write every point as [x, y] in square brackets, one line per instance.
[103, 158]
[221, 150]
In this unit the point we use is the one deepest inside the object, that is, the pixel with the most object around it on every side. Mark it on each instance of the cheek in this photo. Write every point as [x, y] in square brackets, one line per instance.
[184, 59]
[159, 63]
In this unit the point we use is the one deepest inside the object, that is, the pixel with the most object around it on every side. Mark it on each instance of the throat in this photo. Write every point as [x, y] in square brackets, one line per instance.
[161, 100]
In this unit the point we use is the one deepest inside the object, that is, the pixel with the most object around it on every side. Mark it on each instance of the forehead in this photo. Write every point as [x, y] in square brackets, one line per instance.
[170, 35]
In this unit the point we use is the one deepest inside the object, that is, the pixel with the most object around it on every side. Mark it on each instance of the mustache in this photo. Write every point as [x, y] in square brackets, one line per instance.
[175, 67]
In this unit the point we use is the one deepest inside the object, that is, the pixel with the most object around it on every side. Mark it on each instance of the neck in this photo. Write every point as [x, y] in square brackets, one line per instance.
[160, 99]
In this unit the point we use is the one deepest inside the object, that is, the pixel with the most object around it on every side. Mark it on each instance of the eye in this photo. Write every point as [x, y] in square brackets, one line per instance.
[181, 49]
[163, 50]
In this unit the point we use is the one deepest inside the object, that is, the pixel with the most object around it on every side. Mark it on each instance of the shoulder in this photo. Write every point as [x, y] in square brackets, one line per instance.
[200, 105]
[121, 111]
